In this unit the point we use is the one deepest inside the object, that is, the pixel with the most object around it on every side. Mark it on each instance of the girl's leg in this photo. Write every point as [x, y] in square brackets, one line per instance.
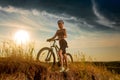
[66, 61]
[61, 60]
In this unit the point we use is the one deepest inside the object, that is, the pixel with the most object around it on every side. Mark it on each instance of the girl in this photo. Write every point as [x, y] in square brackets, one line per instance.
[61, 35]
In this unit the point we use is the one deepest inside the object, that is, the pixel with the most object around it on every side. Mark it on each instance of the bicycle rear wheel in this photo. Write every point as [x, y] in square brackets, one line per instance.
[69, 58]
[46, 55]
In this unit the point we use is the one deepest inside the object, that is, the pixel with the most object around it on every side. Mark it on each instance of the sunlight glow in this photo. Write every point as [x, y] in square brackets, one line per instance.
[21, 37]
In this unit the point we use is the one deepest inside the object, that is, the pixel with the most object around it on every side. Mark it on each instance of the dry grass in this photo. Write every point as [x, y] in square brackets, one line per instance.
[12, 69]
[17, 63]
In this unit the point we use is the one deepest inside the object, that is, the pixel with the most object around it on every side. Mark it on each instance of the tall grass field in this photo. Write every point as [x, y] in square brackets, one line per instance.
[17, 62]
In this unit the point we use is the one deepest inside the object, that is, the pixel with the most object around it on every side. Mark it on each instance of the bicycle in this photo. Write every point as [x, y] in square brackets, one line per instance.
[47, 54]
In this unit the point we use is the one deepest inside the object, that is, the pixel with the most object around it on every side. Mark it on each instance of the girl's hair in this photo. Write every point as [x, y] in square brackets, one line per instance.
[60, 21]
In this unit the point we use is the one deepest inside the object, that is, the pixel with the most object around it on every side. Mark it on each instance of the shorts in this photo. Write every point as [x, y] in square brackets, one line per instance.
[63, 45]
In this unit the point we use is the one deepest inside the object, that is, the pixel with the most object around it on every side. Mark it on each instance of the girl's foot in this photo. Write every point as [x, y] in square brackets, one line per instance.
[62, 69]
[67, 69]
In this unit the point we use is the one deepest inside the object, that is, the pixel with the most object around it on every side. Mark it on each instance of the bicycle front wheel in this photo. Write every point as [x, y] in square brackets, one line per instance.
[46, 55]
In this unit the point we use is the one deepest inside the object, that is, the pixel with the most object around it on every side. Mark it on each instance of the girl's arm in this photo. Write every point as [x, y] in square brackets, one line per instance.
[65, 33]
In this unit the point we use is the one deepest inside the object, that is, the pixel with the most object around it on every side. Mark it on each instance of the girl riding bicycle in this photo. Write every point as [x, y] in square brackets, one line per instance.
[61, 34]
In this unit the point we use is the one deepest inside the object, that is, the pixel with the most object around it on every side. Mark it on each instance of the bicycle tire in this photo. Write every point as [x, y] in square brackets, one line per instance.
[40, 53]
[69, 57]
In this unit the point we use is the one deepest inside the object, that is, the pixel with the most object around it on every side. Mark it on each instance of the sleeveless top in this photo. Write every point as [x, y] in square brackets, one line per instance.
[61, 33]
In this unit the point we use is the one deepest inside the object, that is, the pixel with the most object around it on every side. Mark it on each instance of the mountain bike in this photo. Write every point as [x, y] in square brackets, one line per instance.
[50, 54]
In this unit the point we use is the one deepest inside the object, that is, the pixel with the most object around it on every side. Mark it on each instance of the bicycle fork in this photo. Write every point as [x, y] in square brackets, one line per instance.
[48, 55]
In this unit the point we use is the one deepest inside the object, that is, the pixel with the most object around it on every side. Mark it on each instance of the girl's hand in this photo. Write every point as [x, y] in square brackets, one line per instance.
[48, 40]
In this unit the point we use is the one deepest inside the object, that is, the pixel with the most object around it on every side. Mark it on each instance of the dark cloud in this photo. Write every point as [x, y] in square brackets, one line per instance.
[110, 9]
[78, 8]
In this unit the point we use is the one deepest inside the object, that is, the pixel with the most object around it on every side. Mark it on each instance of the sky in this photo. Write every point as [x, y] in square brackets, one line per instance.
[93, 26]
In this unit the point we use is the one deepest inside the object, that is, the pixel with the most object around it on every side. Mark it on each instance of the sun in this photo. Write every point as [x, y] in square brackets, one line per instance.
[21, 37]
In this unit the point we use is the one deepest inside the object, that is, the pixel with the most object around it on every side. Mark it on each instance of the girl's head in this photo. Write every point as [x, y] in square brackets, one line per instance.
[60, 24]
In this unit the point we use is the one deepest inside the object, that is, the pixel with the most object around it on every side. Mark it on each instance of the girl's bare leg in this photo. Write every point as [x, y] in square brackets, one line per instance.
[66, 61]
[61, 58]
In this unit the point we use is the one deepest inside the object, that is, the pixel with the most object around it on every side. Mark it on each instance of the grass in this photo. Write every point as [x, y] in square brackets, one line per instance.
[18, 63]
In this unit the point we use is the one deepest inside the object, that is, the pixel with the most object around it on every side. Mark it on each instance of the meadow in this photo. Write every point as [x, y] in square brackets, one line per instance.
[18, 63]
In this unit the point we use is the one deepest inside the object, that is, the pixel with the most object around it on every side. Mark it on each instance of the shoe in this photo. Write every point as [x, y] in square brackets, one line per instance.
[62, 69]
[67, 69]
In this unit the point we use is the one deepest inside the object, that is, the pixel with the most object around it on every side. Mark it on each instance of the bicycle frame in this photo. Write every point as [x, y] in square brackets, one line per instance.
[55, 47]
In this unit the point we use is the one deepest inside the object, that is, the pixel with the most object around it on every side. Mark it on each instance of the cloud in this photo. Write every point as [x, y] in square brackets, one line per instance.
[102, 19]
[35, 12]
[35, 20]
[45, 16]
[11, 9]
[24, 20]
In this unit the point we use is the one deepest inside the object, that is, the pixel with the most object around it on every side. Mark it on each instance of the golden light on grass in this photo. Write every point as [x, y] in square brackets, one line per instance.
[21, 37]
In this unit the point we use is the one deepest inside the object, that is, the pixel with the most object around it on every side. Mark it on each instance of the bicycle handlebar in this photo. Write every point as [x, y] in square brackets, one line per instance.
[55, 39]
[52, 40]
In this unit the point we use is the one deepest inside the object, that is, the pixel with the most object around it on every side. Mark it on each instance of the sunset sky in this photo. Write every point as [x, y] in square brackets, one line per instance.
[93, 26]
